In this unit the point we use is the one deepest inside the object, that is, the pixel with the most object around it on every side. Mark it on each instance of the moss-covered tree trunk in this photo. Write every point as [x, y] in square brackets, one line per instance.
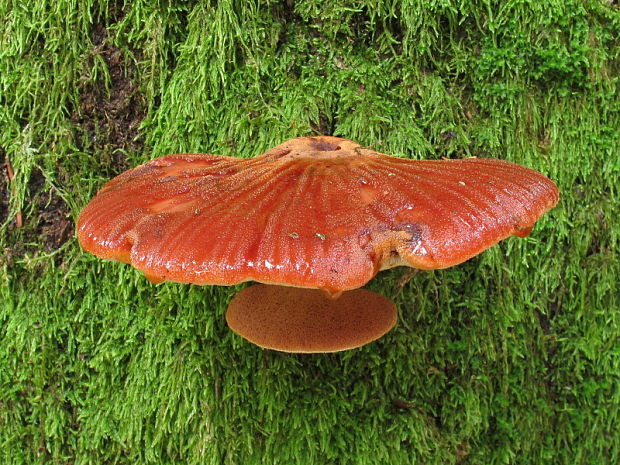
[512, 357]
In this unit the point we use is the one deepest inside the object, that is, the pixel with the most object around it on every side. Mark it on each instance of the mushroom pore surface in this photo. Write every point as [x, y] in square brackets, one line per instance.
[304, 320]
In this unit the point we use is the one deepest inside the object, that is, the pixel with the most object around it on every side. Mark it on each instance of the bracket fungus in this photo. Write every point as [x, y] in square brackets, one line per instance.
[311, 213]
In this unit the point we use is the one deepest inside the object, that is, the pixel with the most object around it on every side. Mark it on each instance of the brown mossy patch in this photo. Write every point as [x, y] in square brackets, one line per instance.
[47, 223]
[110, 113]
[53, 225]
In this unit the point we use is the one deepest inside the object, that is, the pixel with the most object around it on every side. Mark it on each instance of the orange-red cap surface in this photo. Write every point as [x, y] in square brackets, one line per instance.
[319, 212]
[304, 320]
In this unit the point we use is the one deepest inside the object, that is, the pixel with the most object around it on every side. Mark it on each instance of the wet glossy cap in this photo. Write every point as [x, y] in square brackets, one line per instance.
[291, 319]
[317, 212]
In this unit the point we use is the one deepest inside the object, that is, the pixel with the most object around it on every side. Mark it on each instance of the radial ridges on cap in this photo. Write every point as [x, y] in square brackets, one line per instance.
[314, 212]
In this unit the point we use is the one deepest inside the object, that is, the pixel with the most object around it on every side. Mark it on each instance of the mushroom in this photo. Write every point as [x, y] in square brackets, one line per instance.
[311, 213]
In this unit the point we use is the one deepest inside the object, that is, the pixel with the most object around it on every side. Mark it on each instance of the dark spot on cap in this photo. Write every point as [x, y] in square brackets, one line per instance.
[364, 237]
[321, 145]
[415, 230]
[281, 153]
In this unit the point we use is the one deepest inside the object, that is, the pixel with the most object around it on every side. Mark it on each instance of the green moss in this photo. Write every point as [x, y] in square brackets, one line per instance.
[511, 357]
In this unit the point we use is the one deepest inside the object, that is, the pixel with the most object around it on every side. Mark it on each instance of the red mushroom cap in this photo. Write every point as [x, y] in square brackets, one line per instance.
[317, 212]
